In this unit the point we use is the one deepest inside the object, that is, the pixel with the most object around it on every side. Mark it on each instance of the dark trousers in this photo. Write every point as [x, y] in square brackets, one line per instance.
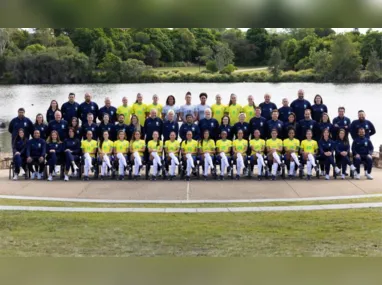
[40, 165]
[368, 161]
[18, 162]
[343, 162]
[52, 161]
[328, 161]
[69, 158]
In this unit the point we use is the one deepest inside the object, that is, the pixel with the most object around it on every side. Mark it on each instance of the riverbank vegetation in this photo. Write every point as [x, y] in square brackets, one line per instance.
[111, 55]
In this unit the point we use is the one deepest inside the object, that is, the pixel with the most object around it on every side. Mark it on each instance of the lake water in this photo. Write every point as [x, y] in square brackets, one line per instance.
[36, 98]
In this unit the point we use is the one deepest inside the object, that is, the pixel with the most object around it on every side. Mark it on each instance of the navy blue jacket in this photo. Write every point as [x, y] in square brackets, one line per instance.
[169, 127]
[20, 146]
[23, 123]
[56, 146]
[305, 125]
[110, 128]
[287, 126]
[36, 148]
[43, 130]
[266, 109]
[362, 146]
[61, 127]
[194, 128]
[77, 133]
[244, 127]
[50, 115]
[323, 126]
[342, 123]
[211, 125]
[131, 131]
[86, 127]
[258, 124]
[342, 146]
[86, 108]
[152, 125]
[121, 127]
[229, 129]
[111, 111]
[325, 146]
[317, 111]
[366, 124]
[278, 125]
[69, 111]
[284, 113]
[299, 106]
[72, 144]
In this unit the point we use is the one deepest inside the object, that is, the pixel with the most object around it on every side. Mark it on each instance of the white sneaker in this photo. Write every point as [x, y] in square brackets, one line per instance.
[357, 176]
[343, 176]
[75, 174]
[50, 178]
[75, 167]
[66, 178]
[337, 170]
[327, 177]
[365, 173]
[54, 173]
[33, 175]
[39, 176]
[352, 167]
[369, 176]
[15, 177]
[322, 173]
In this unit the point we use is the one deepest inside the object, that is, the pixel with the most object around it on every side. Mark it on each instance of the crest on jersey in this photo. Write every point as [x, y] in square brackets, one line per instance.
[322, 110]
[62, 126]
[311, 126]
[39, 145]
[111, 112]
[193, 129]
[25, 124]
[365, 143]
[56, 145]
[173, 126]
[157, 123]
[304, 106]
[279, 125]
[42, 128]
[245, 127]
[108, 129]
[270, 109]
[92, 107]
[366, 126]
[92, 129]
[75, 108]
[261, 124]
[329, 144]
[212, 124]
[345, 122]
[228, 130]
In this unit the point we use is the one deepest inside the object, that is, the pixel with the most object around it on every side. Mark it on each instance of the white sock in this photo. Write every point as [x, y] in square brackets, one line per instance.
[190, 164]
[172, 167]
[74, 166]
[311, 159]
[121, 167]
[275, 165]
[155, 167]
[173, 157]
[224, 157]
[223, 166]
[190, 159]
[276, 157]
[259, 164]
[291, 168]
[103, 168]
[309, 167]
[88, 159]
[137, 159]
[156, 157]
[122, 159]
[206, 165]
[207, 157]
[239, 163]
[86, 167]
[295, 158]
[106, 159]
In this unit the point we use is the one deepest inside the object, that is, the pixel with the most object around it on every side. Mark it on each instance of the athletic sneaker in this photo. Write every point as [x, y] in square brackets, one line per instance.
[187, 178]
[343, 176]
[39, 176]
[205, 177]
[352, 168]
[50, 178]
[357, 176]
[75, 173]
[33, 175]
[327, 177]
[337, 170]
[153, 178]
[273, 177]
[101, 177]
[15, 177]
[237, 177]
[369, 176]
[309, 177]
[86, 178]
[316, 168]
[66, 178]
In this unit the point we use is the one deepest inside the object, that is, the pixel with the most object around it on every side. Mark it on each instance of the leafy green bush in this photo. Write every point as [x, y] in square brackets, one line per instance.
[228, 69]
[211, 66]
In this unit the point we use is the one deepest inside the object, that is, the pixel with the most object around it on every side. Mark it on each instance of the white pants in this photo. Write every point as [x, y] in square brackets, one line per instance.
[311, 159]
[239, 163]
[223, 163]
[207, 163]
[121, 163]
[88, 163]
[190, 163]
[174, 163]
[156, 157]
[260, 163]
[137, 163]
[276, 163]
[295, 158]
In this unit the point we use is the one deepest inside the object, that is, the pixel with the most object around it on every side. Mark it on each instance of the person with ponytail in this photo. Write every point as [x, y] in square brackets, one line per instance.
[105, 149]
[249, 109]
[137, 150]
[308, 149]
[121, 150]
[291, 148]
[54, 151]
[155, 147]
[233, 109]
[172, 147]
[223, 148]
[257, 145]
[343, 151]
[19, 152]
[72, 151]
[274, 148]
[207, 151]
[240, 146]
[89, 150]
[189, 149]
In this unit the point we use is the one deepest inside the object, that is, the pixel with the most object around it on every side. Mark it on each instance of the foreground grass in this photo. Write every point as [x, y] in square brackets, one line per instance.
[12, 202]
[323, 233]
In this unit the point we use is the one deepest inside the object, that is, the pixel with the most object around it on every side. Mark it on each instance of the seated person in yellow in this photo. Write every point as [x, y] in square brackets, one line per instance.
[105, 149]
[137, 149]
[257, 145]
[309, 149]
[189, 150]
[223, 157]
[155, 147]
[172, 147]
[89, 149]
[233, 110]
[207, 153]
[121, 150]
[274, 149]
[291, 148]
[240, 146]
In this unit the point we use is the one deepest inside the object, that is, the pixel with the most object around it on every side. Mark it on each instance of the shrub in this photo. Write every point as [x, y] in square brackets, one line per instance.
[211, 66]
[228, 69]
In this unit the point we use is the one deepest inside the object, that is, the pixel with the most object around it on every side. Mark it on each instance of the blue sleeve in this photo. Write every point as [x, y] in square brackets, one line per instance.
[30, 127]
[100, 114]
[274, 107]
[28, 149]
[181, 132]
[371, 147]
[353, 148]
[309, 106]
[325, 109]
[177, 129]
[372, 129]
[22, 151]
[320, 147]
[43, 148]
[197, 133]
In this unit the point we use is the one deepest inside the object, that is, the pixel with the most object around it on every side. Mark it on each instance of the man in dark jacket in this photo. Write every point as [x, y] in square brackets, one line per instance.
[21, 122]
[300, 105]
[362, 150]
[70, 109]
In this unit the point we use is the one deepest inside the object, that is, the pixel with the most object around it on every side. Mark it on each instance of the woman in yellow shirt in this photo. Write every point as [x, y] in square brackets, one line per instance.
[274, 149]
[240, 146]
[121, 150]
[223, 158]
[89, 149]
[233, 110]
[105, 149]
[257, 145]
[309, 149]
[218, 109]
[207, 152]
[155, 147]
[189, 150]
[249, 110]
[137, 149]
[291, 147]
[172, 147]
[155, 105]
[139, 109]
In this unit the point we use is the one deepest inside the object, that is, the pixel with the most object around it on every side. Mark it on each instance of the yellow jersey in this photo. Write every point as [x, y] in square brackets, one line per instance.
[207, 146]
[257, 145]
[240, 145]
[155, 146]
[126, 111]
[249, 112]
[275, 144]
[218, 112]
[107, 146]
[140, 111]
[172, 146]
[224, 146]
[291, 145]
[89, 147]
[189, 146]
[309, 146]
[233, 113]
[157, 107]
[121, 146]
[137, 146]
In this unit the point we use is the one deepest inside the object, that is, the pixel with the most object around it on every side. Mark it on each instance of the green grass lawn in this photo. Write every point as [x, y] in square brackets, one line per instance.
[321, 233]
[195, 69]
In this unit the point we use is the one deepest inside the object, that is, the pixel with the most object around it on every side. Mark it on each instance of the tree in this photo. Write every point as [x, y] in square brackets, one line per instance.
[275, 63]
[211, 66]
[63, 40]
[4, 40]
[184, 43]
[223, 56]
[258, 37]
[111, 65]
[205, 53]
[321, 61]
[371, 41]
[324, 32]
[374, 63]
[132, 69]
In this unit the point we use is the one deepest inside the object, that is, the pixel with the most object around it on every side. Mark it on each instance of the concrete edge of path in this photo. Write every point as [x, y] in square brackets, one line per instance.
[84, 200]
[194, 210]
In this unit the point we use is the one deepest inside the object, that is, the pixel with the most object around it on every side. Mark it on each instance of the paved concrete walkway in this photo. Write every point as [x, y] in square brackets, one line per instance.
[194, 190]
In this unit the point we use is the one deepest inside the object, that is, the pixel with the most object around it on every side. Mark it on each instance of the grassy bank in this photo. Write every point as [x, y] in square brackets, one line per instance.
[324, 233]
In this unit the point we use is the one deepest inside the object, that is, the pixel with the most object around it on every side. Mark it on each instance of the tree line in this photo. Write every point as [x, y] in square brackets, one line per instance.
[114, 55]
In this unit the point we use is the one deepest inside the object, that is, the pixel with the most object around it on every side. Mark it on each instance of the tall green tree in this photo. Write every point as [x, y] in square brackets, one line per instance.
[223, 56]
[275, 63]
[374, 63]
[259, 37]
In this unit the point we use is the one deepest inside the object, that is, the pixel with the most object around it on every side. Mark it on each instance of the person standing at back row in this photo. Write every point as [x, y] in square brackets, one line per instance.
[233, 110]
[155, 105]
[318, 108]
[368, 126]
[139, 109]
[70, 109]
[125, 110]
[187, 109]
[341, 122]
[108, 109]
[200, 108]
[21, 122]
[88, 107]
[267, 107]
[218, 109]
[300, 105]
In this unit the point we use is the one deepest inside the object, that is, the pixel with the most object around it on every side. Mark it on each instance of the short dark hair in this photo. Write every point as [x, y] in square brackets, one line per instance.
[188, 93]
[361, 111]
[203, 94]
[341, 108]
[275, 111]
[188, 115]
[21, 110]
[71, 93]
